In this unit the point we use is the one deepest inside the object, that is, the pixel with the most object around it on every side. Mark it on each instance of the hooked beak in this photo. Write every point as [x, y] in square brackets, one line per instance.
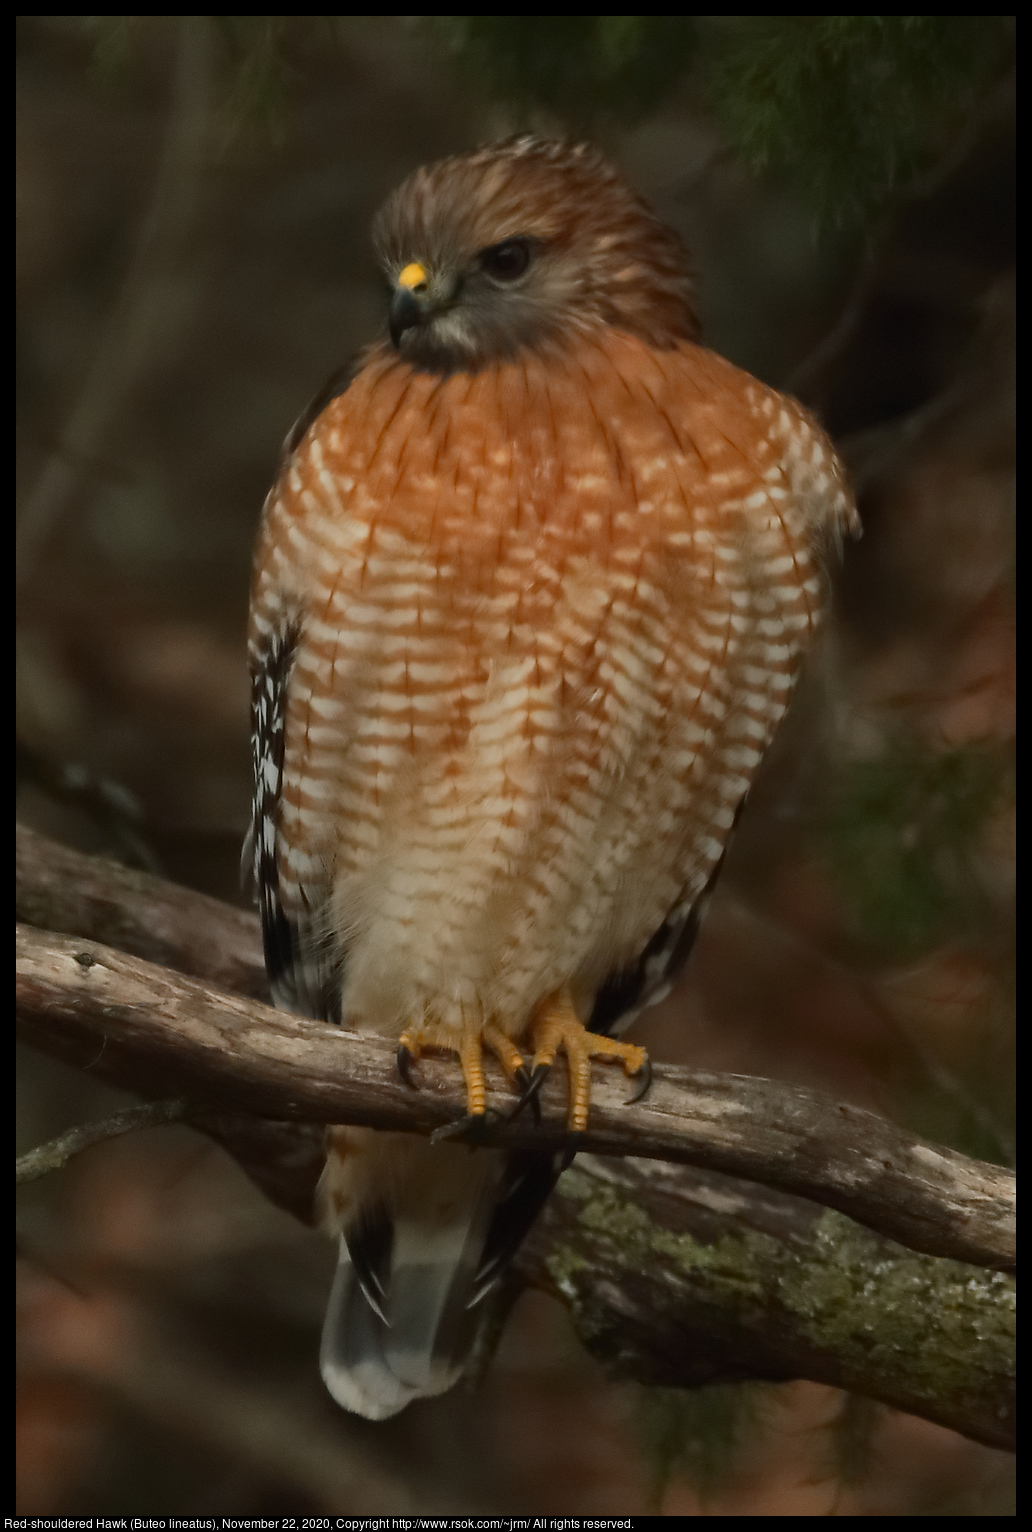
[409, 305]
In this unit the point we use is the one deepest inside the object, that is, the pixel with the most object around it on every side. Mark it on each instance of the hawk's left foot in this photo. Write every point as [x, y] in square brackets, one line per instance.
[556, 1026]
[469, 1045]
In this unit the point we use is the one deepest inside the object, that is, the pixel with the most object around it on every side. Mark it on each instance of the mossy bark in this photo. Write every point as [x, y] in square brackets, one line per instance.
[681, 1277]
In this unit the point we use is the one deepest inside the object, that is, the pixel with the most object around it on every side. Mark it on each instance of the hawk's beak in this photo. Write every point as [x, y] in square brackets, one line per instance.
[409, 305]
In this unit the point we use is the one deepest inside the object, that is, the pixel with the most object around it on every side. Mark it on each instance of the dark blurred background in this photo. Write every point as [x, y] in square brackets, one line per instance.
[194, 196]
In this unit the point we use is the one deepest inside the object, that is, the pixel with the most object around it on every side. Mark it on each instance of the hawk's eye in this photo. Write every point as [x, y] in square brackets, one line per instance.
[507, 261]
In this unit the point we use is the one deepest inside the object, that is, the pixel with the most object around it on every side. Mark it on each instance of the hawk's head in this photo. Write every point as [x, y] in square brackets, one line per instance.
[524, 243]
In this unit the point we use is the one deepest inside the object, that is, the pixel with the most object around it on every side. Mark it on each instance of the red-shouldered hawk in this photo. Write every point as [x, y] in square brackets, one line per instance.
[530, 596]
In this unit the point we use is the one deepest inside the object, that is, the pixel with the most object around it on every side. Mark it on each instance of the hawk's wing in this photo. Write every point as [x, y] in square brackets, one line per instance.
[303, 974]
[627, 991]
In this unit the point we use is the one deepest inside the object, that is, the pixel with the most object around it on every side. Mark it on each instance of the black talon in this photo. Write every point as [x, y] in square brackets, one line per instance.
[646, 1072]
[528, 1093]
[573, 1145]
[532, 1084]
[474, 1127]
[522, 1079]
[406, 1058]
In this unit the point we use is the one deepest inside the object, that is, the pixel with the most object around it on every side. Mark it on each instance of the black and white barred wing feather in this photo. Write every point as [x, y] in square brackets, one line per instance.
[299, 960]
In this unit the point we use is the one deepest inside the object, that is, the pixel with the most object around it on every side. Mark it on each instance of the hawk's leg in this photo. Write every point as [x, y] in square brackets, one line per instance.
[469, 1045]
[556, 1026]
[507, 1054]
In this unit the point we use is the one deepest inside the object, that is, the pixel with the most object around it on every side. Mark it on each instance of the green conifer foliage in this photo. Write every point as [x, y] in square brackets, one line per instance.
[853, 108]
[582, 67]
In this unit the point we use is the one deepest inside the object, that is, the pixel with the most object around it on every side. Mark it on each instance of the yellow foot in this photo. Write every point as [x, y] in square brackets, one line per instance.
[469, 1043]
[556, 1026]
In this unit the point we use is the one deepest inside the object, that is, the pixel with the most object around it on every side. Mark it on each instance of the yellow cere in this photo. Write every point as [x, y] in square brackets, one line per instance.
[412, 276]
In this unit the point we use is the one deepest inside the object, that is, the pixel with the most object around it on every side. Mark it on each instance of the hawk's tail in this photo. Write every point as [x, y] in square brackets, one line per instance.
[403, 1310]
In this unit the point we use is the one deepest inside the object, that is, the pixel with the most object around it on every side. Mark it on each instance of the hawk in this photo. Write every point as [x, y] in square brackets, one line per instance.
[530, 595]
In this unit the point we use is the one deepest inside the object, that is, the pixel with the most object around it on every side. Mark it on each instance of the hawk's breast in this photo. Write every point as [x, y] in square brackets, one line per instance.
[549, 615]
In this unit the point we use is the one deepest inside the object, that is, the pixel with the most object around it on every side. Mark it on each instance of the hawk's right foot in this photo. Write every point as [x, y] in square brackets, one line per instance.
[556, 1026]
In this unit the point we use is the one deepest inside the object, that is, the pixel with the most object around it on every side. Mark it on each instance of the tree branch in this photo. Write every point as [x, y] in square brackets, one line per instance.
[56, 1154]
[682, 1277]
[59, 889]
[673, 1275]
[122, 1016]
